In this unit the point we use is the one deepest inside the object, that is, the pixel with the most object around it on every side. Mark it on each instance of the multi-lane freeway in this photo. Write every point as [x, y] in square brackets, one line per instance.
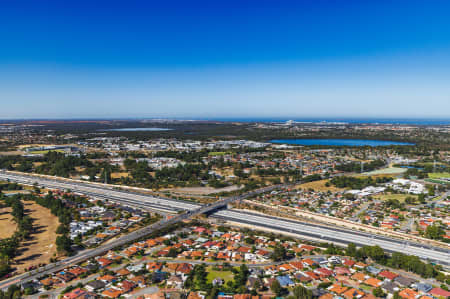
[302, 229]
[336, 235]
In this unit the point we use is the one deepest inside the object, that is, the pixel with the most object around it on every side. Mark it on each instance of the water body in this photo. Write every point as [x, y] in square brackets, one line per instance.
[339, 142]
[140, 129]
[397, 121]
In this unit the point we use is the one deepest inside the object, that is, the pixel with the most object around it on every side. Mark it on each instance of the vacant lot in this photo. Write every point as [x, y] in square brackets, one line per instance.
[8, 226]
[399, 197]
[318, 186]
[41, 245]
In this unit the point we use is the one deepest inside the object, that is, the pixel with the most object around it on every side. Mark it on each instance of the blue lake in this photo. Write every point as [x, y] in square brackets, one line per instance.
[339, 142]
[140, 129]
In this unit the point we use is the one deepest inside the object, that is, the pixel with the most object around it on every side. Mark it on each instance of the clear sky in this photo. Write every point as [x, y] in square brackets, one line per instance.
[207, 59]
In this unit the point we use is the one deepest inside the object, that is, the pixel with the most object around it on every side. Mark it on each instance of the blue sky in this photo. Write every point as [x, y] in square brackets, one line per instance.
[207, 59]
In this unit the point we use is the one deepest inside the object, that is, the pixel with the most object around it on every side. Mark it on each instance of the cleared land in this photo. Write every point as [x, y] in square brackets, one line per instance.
[318, 186]
[399, 197]
[8, 226]
[41, 245]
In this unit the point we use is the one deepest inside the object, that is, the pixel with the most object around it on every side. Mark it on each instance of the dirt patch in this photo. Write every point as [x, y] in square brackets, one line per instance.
[6, 223]
[40, 247]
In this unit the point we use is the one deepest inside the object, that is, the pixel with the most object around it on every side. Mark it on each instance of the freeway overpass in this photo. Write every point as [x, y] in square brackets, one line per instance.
[256, 221]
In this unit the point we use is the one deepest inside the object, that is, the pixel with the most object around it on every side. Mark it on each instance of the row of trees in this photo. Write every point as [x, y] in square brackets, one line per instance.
[396, 260]
[356, 166]
[9, 246]
[59, 164]
[358, 183]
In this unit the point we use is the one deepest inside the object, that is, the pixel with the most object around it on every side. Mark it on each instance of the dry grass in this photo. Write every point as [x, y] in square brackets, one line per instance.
[117, 175]
[41, 245]
[11, 153]
[318, 186]
[8, 226]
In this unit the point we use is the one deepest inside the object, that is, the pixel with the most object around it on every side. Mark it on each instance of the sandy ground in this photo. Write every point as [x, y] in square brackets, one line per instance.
[202, 190]
[7, 225]
[41, 245]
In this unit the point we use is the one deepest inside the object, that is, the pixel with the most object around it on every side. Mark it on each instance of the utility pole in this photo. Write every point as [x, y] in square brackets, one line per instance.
[362, 166]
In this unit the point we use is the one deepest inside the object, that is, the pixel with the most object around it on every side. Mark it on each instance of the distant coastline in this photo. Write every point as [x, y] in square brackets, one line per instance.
[339, 142]
[324, 120]
[394, 121]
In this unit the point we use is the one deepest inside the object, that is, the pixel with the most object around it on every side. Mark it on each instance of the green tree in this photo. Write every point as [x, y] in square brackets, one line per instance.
[351, 249]
[378, 292]
[64, 244]
[276, 287]
[300, 292]
[434, 232]
[279, 253]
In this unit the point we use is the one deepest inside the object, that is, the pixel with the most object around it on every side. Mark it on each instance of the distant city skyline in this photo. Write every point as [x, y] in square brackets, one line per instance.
[214, 60]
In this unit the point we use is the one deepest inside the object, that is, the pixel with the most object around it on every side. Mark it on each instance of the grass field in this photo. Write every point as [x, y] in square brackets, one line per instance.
[437, 175]
[46, 151]
[225, 275]
[389, 170]
[8, 226]
[41, 246]
[437, 181]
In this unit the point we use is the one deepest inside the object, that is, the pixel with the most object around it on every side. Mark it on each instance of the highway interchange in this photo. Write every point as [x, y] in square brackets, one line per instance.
[166, 205]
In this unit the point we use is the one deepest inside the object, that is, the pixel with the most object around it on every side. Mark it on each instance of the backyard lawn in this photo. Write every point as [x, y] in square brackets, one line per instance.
[213, 274]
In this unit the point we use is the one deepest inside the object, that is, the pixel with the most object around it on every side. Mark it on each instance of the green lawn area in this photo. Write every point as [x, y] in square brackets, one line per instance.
[437, 181]
[45, 152]
[437, 175]
[366, 287]
[399, 197]
[225, 275]
[389, 170]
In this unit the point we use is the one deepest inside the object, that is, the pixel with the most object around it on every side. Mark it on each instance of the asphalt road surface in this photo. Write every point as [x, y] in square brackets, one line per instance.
[324, 233]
